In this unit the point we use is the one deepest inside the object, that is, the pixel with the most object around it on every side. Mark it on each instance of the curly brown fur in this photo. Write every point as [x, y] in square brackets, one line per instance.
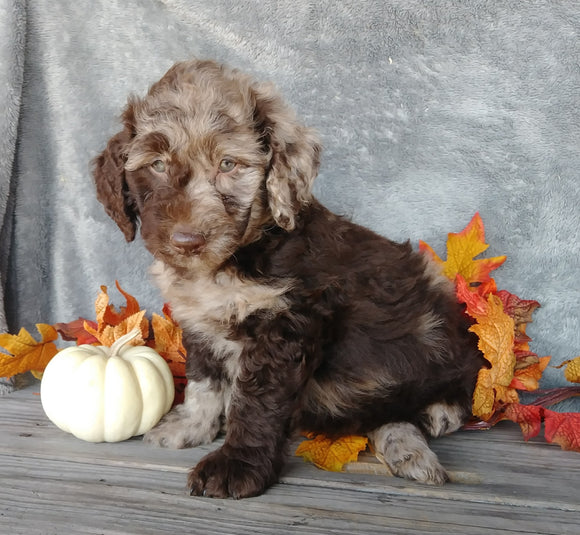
[293, 317]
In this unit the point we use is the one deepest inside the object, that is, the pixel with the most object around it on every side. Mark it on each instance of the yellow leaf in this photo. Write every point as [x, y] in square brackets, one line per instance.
[506, 394]
[495, 330]
[483, 395]
[462, 248]
[26, 353]
[330, 454]
[572, 371]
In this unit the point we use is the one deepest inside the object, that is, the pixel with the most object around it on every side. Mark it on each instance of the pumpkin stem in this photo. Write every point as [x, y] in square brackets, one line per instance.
[120, 343]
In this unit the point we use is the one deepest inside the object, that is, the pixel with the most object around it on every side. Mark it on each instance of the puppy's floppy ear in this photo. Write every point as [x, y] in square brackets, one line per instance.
[295, 155]
[112, 190]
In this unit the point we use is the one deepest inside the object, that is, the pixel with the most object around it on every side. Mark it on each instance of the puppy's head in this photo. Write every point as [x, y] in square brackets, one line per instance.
[206, 160]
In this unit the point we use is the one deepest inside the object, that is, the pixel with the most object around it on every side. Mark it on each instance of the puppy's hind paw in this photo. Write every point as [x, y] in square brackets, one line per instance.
[422, 466]
[407, 454]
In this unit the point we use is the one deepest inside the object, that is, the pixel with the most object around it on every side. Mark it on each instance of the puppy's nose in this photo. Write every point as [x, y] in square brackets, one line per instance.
[190, 242]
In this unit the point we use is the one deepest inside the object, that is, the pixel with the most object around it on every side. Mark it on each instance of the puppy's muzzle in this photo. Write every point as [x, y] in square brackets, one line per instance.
[187, 241]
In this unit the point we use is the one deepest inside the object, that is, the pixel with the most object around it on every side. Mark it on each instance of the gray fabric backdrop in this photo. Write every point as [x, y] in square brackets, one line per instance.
[430, 110]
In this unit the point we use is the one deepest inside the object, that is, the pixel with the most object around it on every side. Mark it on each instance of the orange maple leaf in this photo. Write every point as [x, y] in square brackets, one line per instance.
[111, 333]
[331, 454]
[476, 302]
[527, 377]
[462, 248]
[495, 330]
[108, 314]
[168, 343]
[113, 324]
[168, 338]
[26, 353]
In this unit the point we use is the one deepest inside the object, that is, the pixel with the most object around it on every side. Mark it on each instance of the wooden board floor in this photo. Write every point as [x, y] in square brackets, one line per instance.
[52, 483]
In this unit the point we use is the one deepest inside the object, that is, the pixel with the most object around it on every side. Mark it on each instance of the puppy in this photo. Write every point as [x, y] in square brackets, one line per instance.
[293, 317]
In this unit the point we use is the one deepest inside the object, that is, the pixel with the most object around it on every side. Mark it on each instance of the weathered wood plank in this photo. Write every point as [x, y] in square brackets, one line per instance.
[64, 494]
[51, 482]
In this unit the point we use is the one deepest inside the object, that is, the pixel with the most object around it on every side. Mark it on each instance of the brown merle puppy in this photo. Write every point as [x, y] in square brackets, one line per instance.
[293, 317]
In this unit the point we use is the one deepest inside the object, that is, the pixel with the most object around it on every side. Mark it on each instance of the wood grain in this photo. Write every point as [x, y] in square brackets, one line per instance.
[52, 483]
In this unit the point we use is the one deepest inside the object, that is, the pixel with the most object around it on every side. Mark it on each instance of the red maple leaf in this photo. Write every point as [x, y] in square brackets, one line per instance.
[563, 428]
[529, 417]
[74, 331]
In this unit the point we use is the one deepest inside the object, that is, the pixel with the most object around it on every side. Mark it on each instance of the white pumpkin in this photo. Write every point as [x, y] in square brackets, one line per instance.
[107, 394]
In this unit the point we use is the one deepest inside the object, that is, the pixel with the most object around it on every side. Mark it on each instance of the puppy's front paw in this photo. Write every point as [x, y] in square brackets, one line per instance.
[219, 476]
[180, 429]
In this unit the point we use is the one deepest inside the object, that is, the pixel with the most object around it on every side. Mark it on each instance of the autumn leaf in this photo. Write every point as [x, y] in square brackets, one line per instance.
[26, 353]
[529, 417]
[505, 394]
[483, 396]
[500, 321]
[520, 310]
[108, 334]
[330, 454]
[108, 314]
[112, 324]
[168, 337]
[476, 303]
[528, 367]
[495, 330]
[528, 377]
[101, 307]
[462, 248]
[572, 371]
[563, 428]
[168, 343]
[74, 331]
[167, 312]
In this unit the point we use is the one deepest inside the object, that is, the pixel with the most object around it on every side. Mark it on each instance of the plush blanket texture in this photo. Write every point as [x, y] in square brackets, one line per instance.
[429, 110]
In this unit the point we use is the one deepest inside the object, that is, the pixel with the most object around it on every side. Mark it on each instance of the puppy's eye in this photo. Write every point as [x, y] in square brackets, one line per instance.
[159, 166]
[227, 165]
